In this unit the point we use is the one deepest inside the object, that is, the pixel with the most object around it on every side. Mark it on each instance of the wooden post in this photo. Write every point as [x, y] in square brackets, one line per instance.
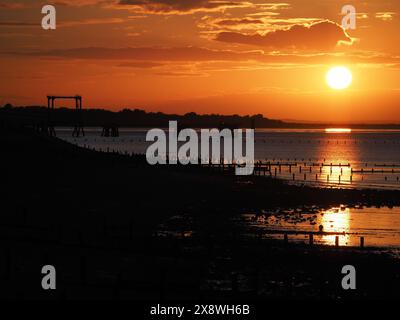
[361, 242]
[260, 235]
[80, 238]
[234, 279]
[82, 267]
[8, 264]
[311, 239]
[337, 241]
[285, 238]
[104, 227]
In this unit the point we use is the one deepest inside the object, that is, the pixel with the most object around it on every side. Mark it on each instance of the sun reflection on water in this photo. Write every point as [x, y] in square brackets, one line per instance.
[338, 130]
[339, 159]
[336, 220]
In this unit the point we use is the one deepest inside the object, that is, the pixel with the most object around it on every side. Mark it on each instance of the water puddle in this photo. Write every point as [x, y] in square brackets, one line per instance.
[380, 227]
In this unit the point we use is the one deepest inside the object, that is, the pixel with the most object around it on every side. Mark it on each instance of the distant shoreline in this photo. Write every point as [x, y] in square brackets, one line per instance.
[136, 118]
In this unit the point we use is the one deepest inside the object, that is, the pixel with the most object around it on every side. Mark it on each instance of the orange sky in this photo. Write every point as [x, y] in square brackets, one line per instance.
[225, 56]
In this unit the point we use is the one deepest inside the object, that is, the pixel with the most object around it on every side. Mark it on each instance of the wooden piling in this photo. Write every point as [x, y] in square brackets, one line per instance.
[8, 264]
[337, 241]
[361, 242]
[234, 281]
[311, 239]
[82, 268]
[80, 239]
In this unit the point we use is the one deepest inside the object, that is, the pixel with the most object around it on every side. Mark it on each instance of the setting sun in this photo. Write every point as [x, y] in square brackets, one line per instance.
[339, 78]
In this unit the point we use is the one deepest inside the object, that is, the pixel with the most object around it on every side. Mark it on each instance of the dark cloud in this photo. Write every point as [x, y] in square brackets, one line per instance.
[181, 6]
[141, 65]
[145, 54]
[149, 57]
[318, 36]
[235, 22]
[11, 5]
[18, 24]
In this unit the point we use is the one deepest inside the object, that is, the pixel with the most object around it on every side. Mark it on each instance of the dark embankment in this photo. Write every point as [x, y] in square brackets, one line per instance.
[93, 216]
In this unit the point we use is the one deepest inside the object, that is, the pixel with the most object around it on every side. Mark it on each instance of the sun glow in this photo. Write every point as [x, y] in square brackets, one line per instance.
[339, 78]
[338, 130]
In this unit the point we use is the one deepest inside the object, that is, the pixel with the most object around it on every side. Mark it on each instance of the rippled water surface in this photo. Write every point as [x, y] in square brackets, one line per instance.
[360, 158]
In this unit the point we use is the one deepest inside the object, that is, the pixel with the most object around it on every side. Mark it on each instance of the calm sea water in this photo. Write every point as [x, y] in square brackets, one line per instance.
[362, 158]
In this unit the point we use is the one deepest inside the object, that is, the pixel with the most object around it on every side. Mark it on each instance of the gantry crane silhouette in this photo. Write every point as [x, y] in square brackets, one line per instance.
[78, 124]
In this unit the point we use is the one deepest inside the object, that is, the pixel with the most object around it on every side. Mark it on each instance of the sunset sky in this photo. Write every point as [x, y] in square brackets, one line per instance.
[226, 56]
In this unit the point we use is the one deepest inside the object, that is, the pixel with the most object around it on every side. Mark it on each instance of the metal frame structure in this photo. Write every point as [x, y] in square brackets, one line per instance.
[78, 126]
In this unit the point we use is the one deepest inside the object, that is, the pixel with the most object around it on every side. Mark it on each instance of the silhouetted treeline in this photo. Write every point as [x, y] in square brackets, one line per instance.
[32, 115]
[136, 118]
